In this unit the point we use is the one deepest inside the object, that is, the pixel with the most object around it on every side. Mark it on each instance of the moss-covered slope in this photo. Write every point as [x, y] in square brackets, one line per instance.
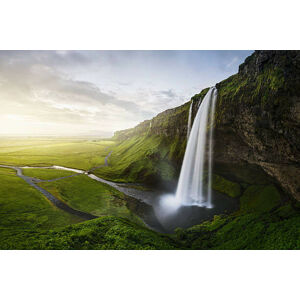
[151, 159]
[279, 229]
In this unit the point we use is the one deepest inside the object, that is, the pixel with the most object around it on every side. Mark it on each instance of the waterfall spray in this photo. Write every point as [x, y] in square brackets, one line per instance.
[191, 189]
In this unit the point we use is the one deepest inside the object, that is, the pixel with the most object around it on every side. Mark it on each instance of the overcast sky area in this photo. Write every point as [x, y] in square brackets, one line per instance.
[72, 93]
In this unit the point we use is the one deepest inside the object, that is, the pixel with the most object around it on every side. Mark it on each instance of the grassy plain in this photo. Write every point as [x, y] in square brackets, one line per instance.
[24, 209]
[46, 174]
[88, 195]
[74, 153]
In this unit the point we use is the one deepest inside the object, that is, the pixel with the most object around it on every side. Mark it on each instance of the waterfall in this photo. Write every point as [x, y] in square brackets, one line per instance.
[190, 120]
[191, 189]
[210, 149]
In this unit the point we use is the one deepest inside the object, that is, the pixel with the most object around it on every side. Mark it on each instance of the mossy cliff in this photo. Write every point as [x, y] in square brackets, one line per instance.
[257, 129]
[258, 117]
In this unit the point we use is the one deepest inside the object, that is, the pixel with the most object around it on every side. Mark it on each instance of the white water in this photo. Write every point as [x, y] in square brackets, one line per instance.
[191, 189]
[189, 120]
[210, 149]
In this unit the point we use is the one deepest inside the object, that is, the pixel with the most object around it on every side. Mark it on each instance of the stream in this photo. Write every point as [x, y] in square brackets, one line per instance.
[157, 217]
[143, 196]
[58, 203]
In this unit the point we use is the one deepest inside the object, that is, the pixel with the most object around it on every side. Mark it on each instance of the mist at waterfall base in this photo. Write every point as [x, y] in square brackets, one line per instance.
[194, 199]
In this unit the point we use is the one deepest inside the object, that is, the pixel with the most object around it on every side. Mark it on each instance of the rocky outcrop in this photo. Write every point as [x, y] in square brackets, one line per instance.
[257, 120]
[257, 116]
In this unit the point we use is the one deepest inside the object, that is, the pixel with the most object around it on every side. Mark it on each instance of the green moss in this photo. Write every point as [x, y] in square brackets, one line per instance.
[248, 231]
[200, 96]
[264, 90]
[147, 158]
[276, 230]
[286, 211]
[102, 233]
[257, 198]
[225, 186]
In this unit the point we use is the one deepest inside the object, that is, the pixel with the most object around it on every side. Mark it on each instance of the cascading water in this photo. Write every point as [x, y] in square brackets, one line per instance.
[190, 120]
[191, 189]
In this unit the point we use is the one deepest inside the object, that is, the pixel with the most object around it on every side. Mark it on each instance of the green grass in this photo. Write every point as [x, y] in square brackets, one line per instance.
[31, 222]
[99, 234]
[144, 158]
[225, 186]
[271, 86]
[262, 223]
[46, 174]
[73, 153]
[23, 209]
[276, 230]
[259, 198]
[88, 195]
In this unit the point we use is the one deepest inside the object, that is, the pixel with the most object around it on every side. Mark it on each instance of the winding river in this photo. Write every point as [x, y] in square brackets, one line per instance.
[144, 196]
[58, 203]
[149, 207]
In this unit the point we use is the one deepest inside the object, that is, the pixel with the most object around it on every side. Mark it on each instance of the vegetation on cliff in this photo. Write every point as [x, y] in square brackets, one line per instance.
[279, 229]
[145, 158]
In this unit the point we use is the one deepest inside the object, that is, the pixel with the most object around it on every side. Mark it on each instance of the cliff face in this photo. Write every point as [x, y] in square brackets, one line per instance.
[257, 121]
[258, 116]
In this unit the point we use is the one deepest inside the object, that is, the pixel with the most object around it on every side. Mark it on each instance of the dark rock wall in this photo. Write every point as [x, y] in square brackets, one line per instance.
[258, 116]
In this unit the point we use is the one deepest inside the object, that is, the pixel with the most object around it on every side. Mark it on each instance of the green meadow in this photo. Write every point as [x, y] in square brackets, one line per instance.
[73, 153]
[87, 195]
[46, 174]
[26, 212]
[23, 210]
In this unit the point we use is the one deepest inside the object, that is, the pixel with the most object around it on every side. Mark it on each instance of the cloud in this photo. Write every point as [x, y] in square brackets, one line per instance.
[168, 93]
[68, 92]
[42, 93]
[232, 62]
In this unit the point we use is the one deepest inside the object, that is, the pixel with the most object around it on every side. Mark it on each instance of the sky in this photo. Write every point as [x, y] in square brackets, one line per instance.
[95, 93]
